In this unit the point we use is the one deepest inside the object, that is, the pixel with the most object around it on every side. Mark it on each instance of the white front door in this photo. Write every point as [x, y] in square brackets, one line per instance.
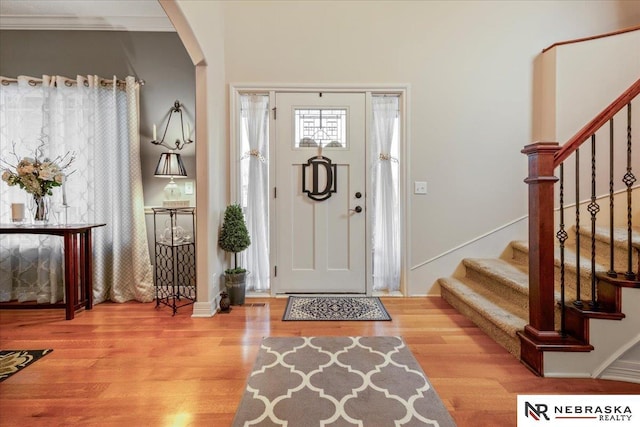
[320, 193]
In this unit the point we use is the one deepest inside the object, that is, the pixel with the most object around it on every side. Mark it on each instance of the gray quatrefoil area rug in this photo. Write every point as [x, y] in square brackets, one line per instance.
[339, 382]
[335, 308]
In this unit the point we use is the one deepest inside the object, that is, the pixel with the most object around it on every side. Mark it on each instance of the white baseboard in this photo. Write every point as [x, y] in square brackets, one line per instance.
[206, 309]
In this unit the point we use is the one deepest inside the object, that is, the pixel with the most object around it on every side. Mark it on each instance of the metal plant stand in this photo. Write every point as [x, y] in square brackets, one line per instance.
[175, 257]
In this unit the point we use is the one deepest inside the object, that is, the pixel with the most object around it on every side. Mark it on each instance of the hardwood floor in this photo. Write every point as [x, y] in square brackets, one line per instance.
[135, 365]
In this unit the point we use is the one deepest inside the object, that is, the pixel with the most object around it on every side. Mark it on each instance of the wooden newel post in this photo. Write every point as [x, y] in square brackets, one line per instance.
[541, 238]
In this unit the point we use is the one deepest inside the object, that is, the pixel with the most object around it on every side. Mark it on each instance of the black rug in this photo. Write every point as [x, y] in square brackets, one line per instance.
[335, 308]
[12, 361]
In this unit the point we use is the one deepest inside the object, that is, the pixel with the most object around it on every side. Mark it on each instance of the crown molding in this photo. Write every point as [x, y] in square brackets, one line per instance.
[84, 23]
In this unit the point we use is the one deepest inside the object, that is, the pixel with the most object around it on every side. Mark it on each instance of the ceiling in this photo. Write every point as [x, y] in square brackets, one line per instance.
[105, 15]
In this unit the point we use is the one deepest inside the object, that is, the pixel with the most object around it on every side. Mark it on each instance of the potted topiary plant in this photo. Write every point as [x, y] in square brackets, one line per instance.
[234, 238]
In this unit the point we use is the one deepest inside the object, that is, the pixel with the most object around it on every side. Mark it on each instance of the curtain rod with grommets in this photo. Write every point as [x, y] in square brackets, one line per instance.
[34, 81]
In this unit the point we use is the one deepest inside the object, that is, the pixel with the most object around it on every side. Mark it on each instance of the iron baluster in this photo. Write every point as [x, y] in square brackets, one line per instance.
[593, 209]
[612, 270]
[629, 179]
[578, 301]
[562, 237]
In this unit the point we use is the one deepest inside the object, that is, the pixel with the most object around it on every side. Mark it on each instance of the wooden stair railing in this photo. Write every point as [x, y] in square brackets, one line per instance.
[544, 158]
[600, 120]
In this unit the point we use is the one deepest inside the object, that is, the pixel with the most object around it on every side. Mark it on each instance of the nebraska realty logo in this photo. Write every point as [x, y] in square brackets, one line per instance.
[578, 410]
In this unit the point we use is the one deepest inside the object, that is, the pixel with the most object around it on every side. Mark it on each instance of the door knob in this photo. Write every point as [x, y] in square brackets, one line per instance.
[358, 195]
[358, 209]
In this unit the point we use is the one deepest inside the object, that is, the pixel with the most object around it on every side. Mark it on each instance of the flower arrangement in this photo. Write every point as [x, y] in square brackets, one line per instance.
[37, 175]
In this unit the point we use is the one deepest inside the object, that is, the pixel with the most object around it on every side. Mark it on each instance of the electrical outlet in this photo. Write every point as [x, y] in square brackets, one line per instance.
[419, 187]
[188, 187]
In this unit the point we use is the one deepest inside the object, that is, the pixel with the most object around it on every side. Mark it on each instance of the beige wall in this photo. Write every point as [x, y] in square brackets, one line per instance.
[590, 75]
[470, 70]
[200, 26]
[579, 81]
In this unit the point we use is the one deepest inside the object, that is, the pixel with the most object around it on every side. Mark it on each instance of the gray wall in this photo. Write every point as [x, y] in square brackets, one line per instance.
[158, 58]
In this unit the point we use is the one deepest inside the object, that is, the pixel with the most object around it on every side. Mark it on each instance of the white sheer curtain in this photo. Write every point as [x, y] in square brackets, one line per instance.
[386, 217]
[255, 124]
[99, 122]
[30, 266]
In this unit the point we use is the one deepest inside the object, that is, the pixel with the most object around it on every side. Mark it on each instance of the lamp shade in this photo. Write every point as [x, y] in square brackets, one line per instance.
[170, 164]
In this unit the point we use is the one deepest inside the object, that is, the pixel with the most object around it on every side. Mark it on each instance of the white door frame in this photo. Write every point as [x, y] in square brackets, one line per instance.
[237, 89]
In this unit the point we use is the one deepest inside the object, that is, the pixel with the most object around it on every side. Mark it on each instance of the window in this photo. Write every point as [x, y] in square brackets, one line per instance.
[320, 127]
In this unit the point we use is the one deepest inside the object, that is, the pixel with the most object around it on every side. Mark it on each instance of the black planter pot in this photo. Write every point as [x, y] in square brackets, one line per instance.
[236, 285]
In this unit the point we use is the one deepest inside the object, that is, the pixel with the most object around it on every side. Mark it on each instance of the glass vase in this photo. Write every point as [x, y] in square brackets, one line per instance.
[41, 208]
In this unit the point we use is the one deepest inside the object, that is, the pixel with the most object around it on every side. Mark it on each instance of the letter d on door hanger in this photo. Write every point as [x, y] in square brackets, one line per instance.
[323, 174]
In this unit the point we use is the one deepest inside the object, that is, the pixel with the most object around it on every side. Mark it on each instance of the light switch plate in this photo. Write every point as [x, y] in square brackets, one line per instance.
[188, 187]
[420, 187]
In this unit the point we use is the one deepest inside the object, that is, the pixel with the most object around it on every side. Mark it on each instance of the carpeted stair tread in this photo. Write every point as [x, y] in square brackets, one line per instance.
[508, 316]
[569, 259]
[494, 292]
[570, 269]
[501, 271]
[620, 235]
[603, 246]
[570, 262]
[496, 317]
[522, 247]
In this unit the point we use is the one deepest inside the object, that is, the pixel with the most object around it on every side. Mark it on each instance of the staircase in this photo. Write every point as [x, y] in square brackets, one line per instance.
[494, 292]
[545, 300]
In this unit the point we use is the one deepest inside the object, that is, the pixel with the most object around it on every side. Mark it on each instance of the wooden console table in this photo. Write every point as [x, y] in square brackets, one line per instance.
[78, 274]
